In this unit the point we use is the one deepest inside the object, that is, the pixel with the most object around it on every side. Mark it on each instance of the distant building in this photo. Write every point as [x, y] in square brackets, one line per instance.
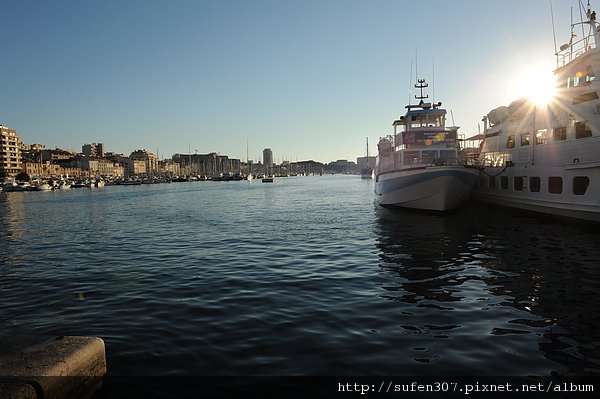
[57, 155]
[10, 153]
[130, 166]
[95, 150]
[268, 157]
[365, 162]
[342, 166]
[150, 160]
[206, 164]
[307, 167]
[167, 166]
[47, 170]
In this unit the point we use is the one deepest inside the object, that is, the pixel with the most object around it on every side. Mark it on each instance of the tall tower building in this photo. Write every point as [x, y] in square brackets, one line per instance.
[10, 152]
[268, 159]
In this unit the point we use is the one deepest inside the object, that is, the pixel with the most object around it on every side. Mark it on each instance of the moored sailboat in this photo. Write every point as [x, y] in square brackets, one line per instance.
[367, 171]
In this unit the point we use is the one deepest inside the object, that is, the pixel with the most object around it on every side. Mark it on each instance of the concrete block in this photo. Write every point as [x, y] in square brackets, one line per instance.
[17, 390]
[56, 367]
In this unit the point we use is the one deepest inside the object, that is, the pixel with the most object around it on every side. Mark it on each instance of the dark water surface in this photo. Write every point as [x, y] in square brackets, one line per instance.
[306, 276]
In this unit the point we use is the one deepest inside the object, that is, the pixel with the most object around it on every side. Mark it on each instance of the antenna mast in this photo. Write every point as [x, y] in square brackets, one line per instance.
[433, 82]
[553, 28]
[410, 82]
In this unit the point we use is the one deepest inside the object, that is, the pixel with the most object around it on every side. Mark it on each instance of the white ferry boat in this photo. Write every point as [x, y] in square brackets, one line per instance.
[547, 159]
[421, 166]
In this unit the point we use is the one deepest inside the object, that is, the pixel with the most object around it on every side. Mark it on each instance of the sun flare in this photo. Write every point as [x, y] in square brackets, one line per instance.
[537, 83]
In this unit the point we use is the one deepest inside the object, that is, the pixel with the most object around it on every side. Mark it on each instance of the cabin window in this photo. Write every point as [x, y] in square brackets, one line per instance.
[555, 184]
[541, 136]
[518, 183]
[504, 182]
[559, 133]
[534, 184]
[589, 74]
[492, 182]
[582, 129]
[580, 78]
[525, 139]
[510, 142]
[580, 184]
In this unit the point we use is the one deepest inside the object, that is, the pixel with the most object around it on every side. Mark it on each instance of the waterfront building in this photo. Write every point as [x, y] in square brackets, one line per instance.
[57, 155]
[47, 170]
[150, 160]
[342, 166]
[268, 158]
[307, 167]
[169, 167]
[206, 164]
[10, 153]
[100, 167]
[95, 150]
[365, 162]
[31, 152]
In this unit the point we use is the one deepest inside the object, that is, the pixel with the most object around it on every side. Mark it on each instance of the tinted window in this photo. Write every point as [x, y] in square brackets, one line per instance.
[580, 184]
[504, 182]
[560, 133]
[582, 129]
[518, 183]
[555, 184]
[534, 184]
[510, 142]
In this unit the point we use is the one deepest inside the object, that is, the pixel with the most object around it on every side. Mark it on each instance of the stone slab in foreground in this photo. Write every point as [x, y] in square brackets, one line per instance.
[50, 367]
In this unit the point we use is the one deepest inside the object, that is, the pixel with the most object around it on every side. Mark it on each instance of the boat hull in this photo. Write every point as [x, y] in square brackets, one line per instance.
[429, 188]
[582, 206]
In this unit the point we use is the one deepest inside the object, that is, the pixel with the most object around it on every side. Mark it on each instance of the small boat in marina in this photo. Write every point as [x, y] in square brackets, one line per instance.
[268, 177]
[367, 172]
[421, 166]
[64, 185]
[42, 186]
[546, 158]
[79, 184]
[132, 182]
[9, 186]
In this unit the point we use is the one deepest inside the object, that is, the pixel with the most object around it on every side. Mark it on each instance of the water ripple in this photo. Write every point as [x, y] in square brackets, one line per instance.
[303, 277]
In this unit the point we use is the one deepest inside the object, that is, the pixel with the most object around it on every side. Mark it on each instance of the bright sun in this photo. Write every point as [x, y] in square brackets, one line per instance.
[537, 83]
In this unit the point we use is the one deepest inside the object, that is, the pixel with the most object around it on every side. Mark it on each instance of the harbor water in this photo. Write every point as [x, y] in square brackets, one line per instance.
[306, 276]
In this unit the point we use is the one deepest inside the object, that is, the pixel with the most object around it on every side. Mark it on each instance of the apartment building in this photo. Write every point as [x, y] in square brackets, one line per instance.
[149, 159]
[10, 153]
[94, 150]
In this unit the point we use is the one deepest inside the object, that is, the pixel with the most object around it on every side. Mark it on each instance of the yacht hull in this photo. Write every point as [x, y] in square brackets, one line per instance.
[430, 188]
[570, 201]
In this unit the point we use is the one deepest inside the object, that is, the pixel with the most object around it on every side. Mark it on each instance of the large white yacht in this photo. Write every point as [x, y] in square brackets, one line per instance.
[547, 159]
[421, 166]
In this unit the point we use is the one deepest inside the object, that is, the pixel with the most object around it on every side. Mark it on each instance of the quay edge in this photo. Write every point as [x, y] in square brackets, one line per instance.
[51, 367]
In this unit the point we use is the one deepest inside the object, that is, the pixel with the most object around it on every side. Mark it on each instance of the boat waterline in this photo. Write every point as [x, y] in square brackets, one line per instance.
[437, 189]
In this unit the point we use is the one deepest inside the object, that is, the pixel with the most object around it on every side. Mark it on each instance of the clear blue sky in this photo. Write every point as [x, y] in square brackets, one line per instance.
[310, 79]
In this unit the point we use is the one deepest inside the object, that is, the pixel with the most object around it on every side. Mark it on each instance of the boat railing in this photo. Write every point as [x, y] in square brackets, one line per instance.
[419, 159]
[572, 50]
